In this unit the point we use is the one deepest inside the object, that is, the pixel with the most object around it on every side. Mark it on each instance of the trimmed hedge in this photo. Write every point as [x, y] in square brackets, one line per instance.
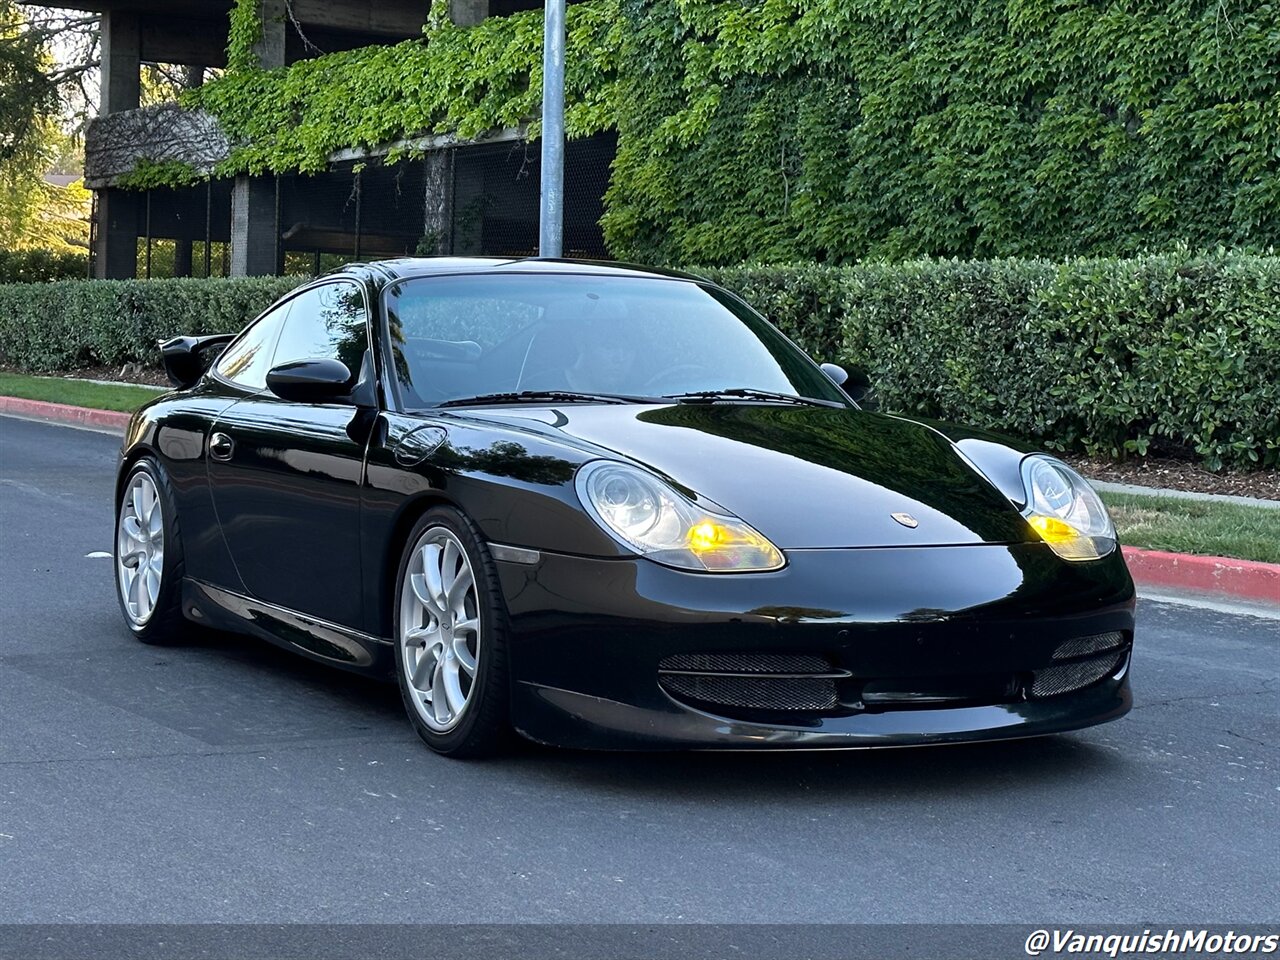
[69, 324]
[36, 266]
[1107, 356]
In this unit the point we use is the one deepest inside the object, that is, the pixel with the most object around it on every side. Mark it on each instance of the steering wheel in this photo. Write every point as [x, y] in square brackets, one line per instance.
[672, 375]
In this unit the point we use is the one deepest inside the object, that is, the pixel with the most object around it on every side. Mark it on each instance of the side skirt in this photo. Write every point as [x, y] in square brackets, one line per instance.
[310, 636]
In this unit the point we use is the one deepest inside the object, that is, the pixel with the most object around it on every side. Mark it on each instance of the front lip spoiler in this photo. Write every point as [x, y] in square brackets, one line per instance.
[566, 718]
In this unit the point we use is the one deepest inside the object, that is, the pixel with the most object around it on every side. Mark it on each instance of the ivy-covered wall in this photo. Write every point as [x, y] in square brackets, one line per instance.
[456, 80]
[844, 129]
[837, 130]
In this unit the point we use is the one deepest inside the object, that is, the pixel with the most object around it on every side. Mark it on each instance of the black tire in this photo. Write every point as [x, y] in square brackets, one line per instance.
[483, 726]
[165, 624]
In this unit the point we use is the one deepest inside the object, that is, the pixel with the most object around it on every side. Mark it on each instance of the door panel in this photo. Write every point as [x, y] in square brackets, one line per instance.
[287, 477]
[288, 498]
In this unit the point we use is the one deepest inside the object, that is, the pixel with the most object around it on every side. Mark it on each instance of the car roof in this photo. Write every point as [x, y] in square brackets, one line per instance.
[403, 268]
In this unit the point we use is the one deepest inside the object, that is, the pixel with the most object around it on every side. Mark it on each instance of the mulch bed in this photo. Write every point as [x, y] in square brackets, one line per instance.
[135, 374]
[1176, 474]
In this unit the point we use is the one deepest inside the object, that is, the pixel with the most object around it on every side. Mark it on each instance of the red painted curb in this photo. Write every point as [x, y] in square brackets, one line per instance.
[64, 413]
[1243, 579]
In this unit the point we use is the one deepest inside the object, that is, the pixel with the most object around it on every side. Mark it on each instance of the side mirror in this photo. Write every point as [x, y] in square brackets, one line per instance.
[310, 381]
[855, 383]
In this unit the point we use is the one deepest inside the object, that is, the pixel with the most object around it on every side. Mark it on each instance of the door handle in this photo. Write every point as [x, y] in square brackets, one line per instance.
[221, 446]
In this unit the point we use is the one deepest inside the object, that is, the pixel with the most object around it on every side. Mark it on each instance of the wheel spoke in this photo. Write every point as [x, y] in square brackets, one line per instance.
[423, 668]
[463, 654]
[452, 686]
[439, 697]
[422, 592]
[414, 637]
[431, 563]
[458, 589]
[132, 528]
[449, 562]
[136, 492]
[138, 592]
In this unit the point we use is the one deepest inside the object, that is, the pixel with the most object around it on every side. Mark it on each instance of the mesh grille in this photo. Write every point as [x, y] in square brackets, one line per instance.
[758, 693]
[1084, 646]
[1067, 677]
[746, 663]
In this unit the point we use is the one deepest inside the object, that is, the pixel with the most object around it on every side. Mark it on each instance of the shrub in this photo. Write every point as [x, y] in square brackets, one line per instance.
[68, 324]
[35, 266]
[1106, 356]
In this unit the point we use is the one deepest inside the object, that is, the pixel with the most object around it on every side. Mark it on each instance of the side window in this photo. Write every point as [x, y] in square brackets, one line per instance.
[247, 361]
[328, 322]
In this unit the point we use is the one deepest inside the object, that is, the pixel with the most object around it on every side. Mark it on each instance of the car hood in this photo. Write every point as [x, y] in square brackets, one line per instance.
[806, 477]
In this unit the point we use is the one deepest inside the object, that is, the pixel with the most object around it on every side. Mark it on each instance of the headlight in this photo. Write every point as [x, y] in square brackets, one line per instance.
[1065, 511]
[649, 516]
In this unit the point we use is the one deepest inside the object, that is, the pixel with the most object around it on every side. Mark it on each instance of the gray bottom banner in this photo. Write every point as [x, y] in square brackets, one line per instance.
[627, 942]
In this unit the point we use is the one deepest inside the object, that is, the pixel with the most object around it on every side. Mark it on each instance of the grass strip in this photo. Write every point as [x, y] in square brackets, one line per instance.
[1205, 527]
[77, 393]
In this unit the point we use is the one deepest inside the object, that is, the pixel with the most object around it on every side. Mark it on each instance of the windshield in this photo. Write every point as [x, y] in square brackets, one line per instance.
[457, 337]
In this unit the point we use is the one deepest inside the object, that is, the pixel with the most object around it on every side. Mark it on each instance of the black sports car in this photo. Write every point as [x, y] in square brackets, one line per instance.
[611, 507]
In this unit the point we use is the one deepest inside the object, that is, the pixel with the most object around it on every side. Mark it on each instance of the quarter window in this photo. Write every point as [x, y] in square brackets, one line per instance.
[247, 361]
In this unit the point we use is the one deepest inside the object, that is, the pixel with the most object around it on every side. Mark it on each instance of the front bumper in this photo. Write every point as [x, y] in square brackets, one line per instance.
[977, 622]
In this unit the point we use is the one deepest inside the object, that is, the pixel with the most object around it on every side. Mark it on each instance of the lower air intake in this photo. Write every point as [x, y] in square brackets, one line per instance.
[1066, 677]
[752, 681]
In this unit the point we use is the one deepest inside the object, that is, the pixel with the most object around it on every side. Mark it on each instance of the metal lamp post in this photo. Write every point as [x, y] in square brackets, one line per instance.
[551, 201]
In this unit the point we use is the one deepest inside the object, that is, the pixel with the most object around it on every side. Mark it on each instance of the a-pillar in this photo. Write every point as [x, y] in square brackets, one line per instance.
[255, 232]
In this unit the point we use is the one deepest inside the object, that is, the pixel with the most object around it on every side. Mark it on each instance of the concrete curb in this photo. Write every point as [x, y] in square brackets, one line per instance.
[1131, 488]
[1241, 579]
[64, 413]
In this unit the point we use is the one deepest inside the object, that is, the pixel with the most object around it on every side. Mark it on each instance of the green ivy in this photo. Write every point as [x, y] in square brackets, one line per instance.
[244, 34]
[455, 80]
[836, 130]
[153, 174]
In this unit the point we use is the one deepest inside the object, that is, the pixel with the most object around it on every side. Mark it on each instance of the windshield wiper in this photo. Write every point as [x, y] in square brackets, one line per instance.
[544, 396]
[749, 393]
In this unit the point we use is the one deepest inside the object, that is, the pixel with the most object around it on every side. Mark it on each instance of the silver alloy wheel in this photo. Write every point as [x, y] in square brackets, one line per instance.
[140, 548]
[439, 628]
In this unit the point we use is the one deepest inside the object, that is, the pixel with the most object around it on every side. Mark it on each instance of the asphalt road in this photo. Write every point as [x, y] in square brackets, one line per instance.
[227, 781]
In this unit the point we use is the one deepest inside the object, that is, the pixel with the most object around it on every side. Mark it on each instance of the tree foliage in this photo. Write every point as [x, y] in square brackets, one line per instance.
[34, 213]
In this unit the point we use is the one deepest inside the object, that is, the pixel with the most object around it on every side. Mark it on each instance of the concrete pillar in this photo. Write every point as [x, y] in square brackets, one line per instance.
[115, 255]
[275, 23]
[438, 215]
[121, 37]
[255, 246]
[467, 13]
[255, 232]
[181, 258]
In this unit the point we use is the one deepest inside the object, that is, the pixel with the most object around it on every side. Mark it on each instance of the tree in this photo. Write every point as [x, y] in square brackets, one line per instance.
[37, 96]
